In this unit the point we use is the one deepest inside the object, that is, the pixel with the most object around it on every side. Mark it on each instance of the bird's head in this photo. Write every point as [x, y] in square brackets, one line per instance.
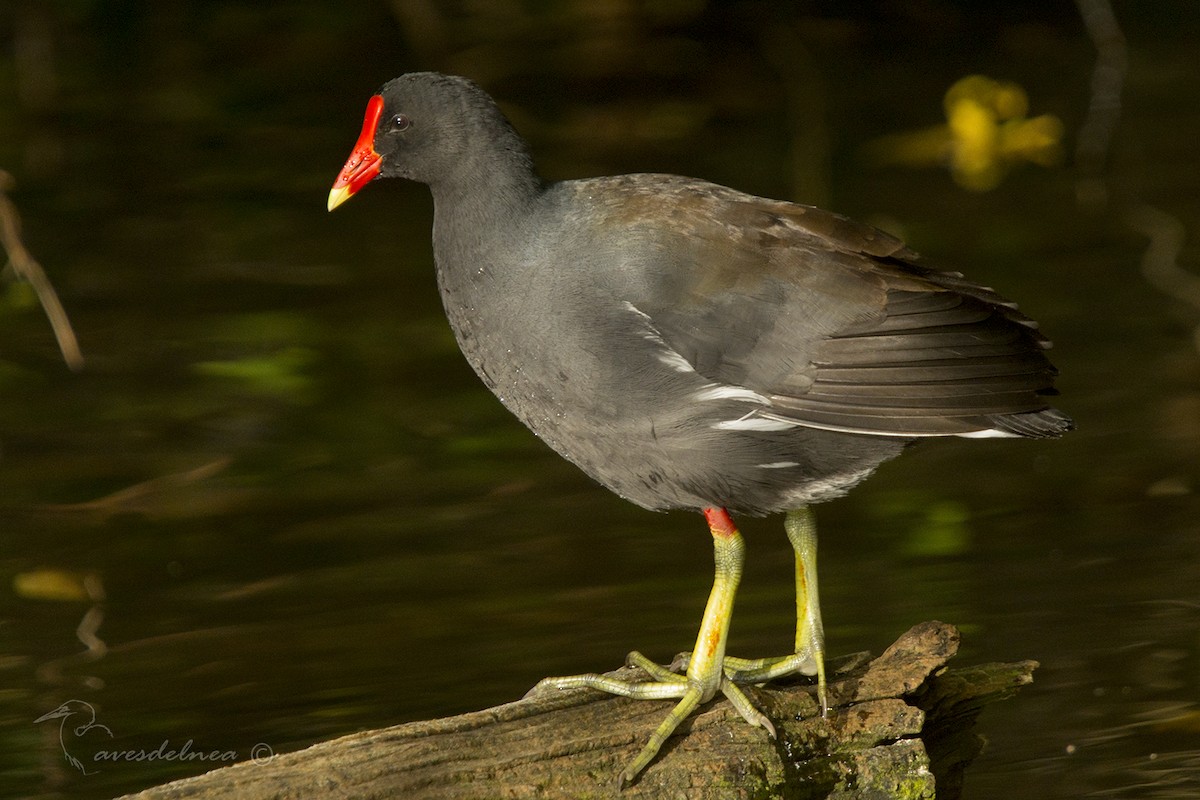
[426, 127]
[62, 711]
[67, 709]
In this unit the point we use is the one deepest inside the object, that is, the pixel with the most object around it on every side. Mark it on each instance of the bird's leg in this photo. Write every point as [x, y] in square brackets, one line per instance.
[705, 674]
[801, 529]
[809, 657]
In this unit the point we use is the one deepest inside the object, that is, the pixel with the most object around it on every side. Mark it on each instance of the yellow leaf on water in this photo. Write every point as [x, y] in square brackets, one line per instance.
[986, 134]
[57, 584]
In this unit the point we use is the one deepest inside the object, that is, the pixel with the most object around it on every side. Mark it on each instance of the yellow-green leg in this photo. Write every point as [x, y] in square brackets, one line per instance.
[801, 529]
[809, 656]
[705, 674]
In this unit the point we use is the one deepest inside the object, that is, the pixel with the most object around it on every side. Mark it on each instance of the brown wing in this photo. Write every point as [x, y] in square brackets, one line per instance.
[834, 323]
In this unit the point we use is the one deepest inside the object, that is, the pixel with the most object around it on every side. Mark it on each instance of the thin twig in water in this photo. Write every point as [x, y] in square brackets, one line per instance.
[28, 269]
[1104, 109]
[1160, 262]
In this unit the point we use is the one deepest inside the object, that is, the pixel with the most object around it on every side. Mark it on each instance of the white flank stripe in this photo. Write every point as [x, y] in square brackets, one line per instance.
[780, 464]
[628, 306]
[726, 392]
[665, 355]
[672, 359]
[749, 423]
[990, 433]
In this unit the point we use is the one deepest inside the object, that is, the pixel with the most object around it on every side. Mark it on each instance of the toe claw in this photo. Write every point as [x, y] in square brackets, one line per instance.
[770, 728]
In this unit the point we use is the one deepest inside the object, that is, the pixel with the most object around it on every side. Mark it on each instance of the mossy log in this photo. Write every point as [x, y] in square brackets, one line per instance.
[900, 726]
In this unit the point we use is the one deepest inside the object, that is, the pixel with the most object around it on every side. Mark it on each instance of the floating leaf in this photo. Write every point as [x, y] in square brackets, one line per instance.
[56, 584]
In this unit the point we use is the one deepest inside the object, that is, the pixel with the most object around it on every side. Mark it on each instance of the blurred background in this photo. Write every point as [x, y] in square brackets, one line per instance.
[273, 505]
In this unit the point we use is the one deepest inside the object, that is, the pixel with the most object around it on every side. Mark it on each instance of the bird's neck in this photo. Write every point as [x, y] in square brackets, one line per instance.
[480, 210]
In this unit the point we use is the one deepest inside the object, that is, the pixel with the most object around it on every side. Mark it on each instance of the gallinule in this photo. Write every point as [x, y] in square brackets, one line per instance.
[690, 346]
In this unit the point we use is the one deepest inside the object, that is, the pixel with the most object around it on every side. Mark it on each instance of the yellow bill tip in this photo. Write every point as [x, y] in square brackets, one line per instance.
[338, 195]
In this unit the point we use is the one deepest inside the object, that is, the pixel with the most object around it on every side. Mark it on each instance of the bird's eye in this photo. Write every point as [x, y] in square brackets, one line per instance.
[401, 122]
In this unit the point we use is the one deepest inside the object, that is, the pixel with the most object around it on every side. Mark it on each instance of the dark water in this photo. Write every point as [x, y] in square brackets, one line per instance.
[276, 507]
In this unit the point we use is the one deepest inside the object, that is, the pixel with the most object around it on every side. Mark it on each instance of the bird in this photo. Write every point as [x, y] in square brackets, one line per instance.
[86, 712]
[690, 346]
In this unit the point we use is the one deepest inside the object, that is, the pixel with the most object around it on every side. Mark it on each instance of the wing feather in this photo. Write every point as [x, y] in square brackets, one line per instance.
[834, 321]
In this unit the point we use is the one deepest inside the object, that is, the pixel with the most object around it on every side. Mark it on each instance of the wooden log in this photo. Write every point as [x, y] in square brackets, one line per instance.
[900, 726]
